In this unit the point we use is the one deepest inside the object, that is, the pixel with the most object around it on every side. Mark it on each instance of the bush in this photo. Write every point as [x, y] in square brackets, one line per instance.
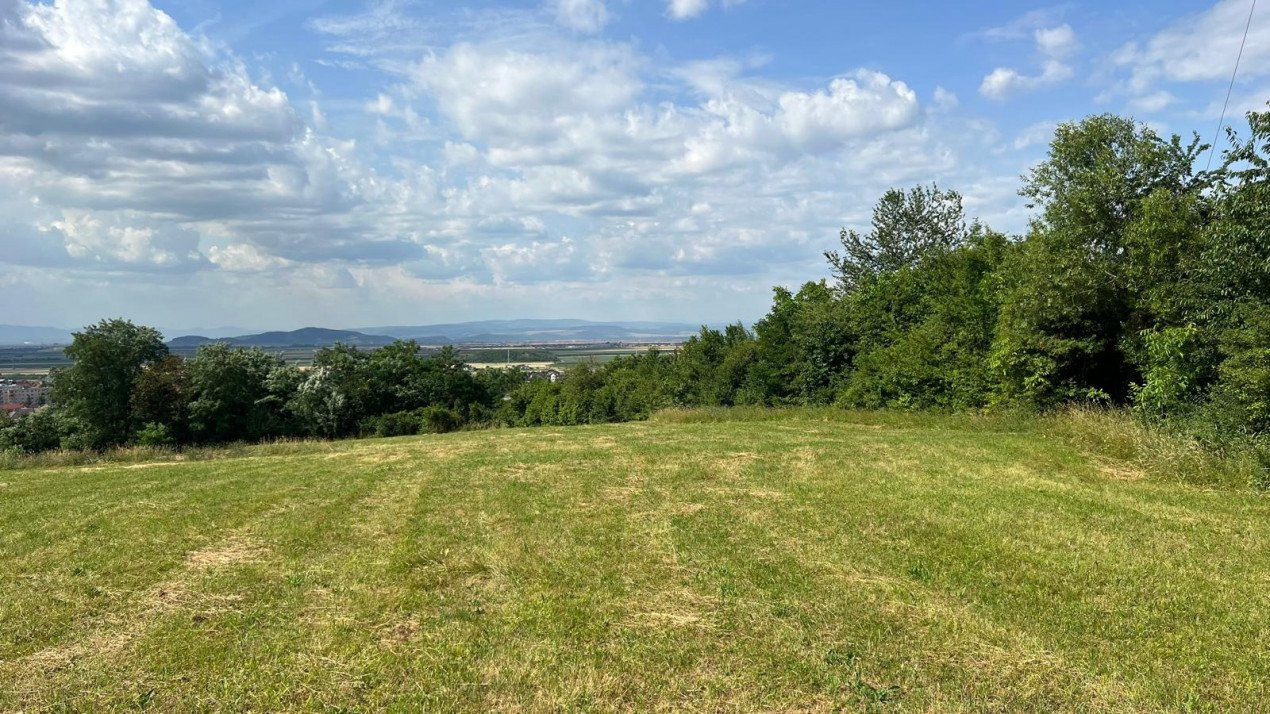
[39, 431]
[439, 420]
[155, 434]
[395, 424]
[1177, 368]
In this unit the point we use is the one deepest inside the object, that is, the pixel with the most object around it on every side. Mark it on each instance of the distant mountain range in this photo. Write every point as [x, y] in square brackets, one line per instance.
[480, 332]
[26, 335]
[35, 335]
[504, 331]
[304, 337]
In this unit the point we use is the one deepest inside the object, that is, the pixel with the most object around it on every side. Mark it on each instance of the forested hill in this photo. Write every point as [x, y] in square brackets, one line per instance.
[304, 337]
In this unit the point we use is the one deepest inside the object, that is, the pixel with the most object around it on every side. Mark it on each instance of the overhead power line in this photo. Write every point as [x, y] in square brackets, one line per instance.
[1221, 123]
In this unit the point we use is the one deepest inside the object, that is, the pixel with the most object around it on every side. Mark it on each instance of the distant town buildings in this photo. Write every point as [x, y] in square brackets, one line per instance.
[18, 397]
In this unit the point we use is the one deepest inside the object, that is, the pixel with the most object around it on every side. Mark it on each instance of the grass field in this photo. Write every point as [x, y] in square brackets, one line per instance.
[800, 561]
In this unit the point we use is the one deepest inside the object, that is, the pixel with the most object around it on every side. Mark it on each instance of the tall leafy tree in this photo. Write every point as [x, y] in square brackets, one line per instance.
[1069, 298]
[906, 226]
[161, 396]
[232, 397]
[96, 391]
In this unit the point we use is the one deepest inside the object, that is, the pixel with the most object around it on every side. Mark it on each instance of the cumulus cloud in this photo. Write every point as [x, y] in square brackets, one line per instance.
[945, 100]
[1198, 48]
[863, 103]
[573, 117]
[1004, 82]
[1053, 44]
[1056, 41]
[244, 258]
[139, 146]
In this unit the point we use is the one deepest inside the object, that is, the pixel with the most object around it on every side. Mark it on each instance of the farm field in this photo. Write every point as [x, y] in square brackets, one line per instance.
[37, 361]
[802, 560]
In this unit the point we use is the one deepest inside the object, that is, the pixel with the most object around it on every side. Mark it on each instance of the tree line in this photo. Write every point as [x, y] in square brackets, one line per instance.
[1142, 281]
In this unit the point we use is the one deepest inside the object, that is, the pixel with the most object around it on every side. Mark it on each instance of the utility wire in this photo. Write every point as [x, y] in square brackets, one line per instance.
[1222, 121]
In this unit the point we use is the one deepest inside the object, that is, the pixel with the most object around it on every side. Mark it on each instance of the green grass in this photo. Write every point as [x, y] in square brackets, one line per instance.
[809, 560]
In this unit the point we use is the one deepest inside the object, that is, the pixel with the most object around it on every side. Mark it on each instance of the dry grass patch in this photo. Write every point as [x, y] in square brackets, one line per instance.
[232, 552]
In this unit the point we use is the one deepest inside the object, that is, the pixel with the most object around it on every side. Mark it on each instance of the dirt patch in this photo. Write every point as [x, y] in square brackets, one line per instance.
[801, 458]
[52, 659]
[399, 633]
[764, 493]
[152, 464]
[682, 607]
[668, 619]
[235, 551]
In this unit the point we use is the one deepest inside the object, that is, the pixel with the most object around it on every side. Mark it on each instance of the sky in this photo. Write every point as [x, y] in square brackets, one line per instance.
[339, 163]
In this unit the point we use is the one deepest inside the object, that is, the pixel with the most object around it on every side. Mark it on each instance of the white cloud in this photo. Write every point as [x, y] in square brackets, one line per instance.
[688, 9]
[945, 100]
[581, 15]
[244, 258]
[1053, 44]
[685, 9]
[1198, 48]
[1003, 82]
[1153, 102]
[140, 146]
[90, 238]
[1023, 26]
[1056, 41]
[513, 95]
[867, 102]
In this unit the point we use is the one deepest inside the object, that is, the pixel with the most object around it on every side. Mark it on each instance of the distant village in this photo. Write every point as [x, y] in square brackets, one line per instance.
[19, 397]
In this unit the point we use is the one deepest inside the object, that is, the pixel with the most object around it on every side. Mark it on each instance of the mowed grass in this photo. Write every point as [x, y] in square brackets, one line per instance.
[796, 562]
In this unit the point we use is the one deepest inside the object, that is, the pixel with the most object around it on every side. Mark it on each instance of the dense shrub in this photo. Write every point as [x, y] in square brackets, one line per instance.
[439, 420]
[395, 424]
[155, 434]
[41, 430]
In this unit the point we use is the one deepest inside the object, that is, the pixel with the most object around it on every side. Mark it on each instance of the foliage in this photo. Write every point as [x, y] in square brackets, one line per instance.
[394, 424]
[439, 420]
[161, 395]
[907, 226]
[231, 390]
[41, 430]
[155, 434]
[1176, 372]
[96, 391]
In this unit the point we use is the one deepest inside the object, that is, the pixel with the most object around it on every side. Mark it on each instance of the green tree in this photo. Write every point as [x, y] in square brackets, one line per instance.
[907, 225]
[232, 395]
[161, 395]
[96, 391]
[1070, 299]
[924, 331]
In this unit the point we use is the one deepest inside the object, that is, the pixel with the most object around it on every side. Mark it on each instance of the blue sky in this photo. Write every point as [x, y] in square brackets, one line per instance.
[341, 163]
